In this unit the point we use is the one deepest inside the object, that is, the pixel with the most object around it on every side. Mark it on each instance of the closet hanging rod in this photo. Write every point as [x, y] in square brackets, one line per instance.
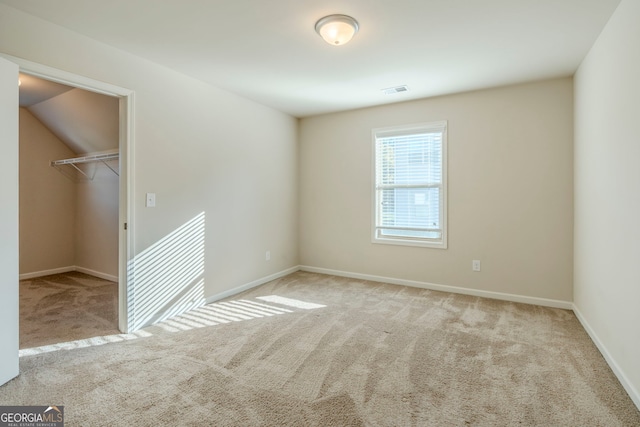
[86, 159]
[91, 158]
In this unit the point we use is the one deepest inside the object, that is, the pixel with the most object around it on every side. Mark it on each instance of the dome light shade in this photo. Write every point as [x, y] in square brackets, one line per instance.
[337, 29]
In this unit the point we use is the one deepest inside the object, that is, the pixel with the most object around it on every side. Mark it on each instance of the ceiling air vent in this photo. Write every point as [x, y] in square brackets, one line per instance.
[395, 89]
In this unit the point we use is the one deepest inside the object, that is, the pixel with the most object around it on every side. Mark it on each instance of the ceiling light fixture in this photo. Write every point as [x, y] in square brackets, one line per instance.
[395, 89]
[337, 29]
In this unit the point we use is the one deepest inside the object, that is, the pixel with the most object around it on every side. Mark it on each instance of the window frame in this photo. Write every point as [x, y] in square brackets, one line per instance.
[410, 129]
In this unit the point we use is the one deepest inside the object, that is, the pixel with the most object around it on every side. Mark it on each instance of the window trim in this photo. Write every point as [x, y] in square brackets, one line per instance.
[408, 130]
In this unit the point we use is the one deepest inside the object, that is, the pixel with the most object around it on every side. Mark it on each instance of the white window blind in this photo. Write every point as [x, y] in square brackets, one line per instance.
[410, 190]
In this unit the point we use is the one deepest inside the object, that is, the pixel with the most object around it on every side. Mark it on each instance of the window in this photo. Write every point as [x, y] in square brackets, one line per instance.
[410, 192]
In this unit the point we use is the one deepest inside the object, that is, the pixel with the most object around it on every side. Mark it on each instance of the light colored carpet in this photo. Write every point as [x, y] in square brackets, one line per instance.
[365, 354]
[66, 307]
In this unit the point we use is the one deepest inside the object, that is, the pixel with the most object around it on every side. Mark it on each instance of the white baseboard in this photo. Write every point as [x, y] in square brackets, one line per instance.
[445, 288]
[42, 273]
[68, 269]
[251, 285]
[628, 386]
[98, 274]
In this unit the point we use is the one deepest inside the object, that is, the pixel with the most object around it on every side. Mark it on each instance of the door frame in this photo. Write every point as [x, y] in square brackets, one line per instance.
[126, 187]
[9, 303]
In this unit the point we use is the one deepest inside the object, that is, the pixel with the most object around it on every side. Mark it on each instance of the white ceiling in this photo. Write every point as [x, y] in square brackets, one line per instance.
[267, 50]
[34, 90]
[87, 122]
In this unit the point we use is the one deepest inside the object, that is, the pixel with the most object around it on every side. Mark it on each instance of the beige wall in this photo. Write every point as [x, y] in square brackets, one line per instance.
[510, 191]
[63, 223]
[96, 228]
[201, 150]
[607, 193]
[86, 121]
[47, 200]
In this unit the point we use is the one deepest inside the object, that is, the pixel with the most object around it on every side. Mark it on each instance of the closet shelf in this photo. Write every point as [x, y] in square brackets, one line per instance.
[103, 158]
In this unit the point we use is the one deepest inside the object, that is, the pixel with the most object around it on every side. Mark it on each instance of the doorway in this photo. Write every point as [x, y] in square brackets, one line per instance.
[68, 190]
[125, 167]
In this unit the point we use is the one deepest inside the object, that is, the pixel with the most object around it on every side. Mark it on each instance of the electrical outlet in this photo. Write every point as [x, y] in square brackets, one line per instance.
[267, 256]
[475, 265]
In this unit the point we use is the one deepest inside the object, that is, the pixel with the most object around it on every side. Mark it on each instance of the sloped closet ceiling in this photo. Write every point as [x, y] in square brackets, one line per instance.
[85, 121]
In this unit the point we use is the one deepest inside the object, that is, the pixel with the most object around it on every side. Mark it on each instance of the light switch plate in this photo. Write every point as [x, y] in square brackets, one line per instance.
[151, 200]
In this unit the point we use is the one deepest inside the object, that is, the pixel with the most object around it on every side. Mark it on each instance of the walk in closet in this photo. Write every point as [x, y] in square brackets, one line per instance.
[69, 196]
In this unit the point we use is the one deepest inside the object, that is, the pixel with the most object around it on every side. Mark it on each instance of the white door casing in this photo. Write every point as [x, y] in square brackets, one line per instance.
[9, 303]
[126, 149]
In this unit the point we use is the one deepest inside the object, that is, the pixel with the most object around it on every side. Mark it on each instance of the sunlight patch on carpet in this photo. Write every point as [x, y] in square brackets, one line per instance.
[291, 302]
[87, 342]
[207, 315]
[233, 311]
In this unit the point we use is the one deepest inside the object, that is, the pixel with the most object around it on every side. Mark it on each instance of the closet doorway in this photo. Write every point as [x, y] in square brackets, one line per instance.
[74, 141]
